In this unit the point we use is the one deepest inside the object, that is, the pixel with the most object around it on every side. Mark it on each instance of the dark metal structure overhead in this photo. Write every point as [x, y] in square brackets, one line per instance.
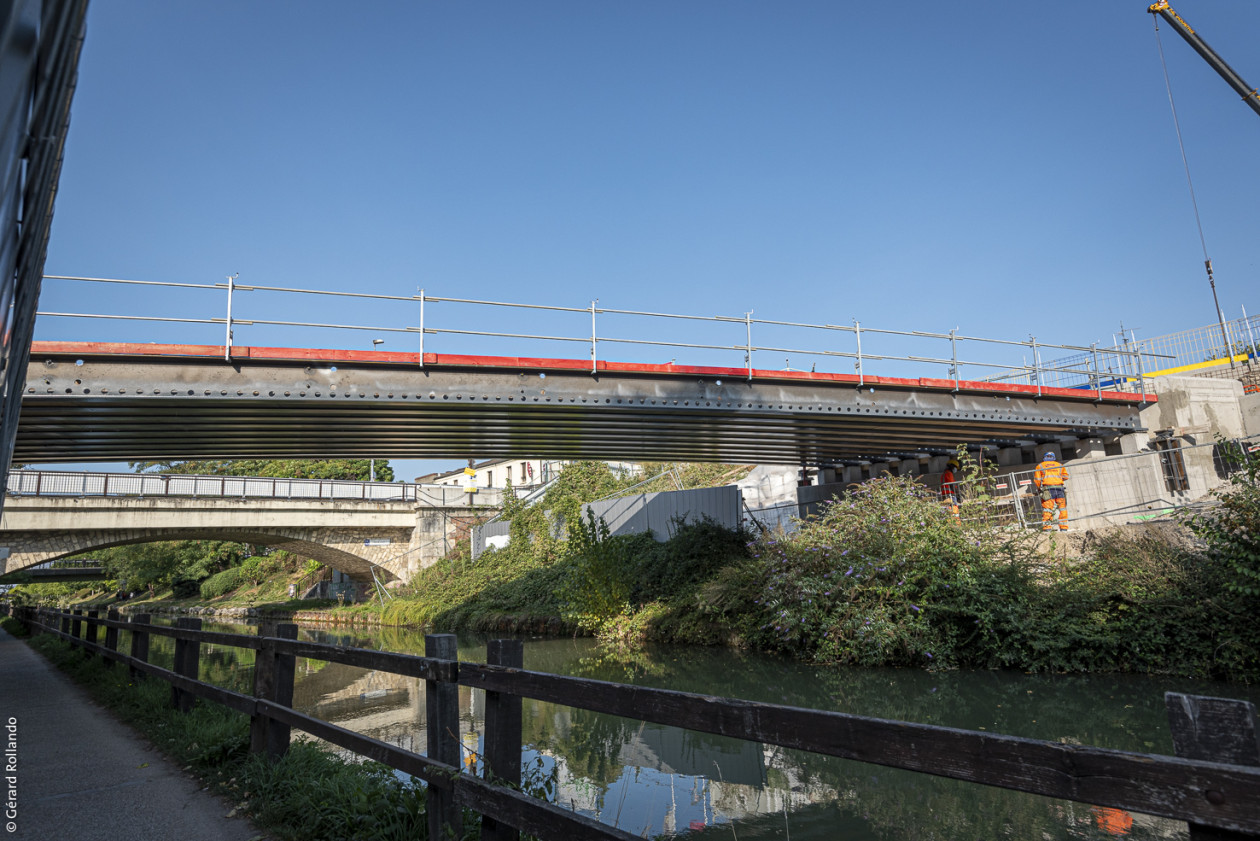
[40, 42]
[90, 402]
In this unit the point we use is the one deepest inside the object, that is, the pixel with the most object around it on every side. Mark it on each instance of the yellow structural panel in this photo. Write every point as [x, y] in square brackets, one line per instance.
[1197, 366]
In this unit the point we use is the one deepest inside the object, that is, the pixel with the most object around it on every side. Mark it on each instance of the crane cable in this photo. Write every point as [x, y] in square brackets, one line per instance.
[1207, 261]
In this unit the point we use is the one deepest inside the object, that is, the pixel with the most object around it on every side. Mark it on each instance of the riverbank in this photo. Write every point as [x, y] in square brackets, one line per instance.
[885, 577]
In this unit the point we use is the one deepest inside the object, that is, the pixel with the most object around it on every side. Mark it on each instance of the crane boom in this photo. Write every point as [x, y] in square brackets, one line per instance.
[1200, 46]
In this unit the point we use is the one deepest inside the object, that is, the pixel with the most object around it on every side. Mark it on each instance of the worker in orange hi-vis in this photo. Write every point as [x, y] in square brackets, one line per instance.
[1050, 477]
[949, 487]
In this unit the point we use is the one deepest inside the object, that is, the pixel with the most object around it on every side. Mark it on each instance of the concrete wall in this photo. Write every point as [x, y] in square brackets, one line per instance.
[660, 513]
[768, 485]
[1249, 405]
[1196, 408]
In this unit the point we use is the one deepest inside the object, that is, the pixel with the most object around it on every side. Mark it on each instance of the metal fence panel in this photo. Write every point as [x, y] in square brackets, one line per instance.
[660, 513]
[1112, 490]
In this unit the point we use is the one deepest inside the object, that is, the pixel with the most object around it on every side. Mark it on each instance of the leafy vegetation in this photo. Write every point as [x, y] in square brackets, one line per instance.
[886, 576]
[349, 469]
[1232, 529]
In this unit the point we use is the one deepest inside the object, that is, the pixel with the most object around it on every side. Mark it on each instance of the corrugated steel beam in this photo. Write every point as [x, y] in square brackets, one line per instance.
[83, 404]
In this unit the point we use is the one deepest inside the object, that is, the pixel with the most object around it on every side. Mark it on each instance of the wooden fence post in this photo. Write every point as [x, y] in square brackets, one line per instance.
[441, 706]
[1214, 730]
[139, 644]
[89, 633]
[111, 637]
[76, 626]
[273, 681]
[65, 622]
[503, 733]
[187, 663]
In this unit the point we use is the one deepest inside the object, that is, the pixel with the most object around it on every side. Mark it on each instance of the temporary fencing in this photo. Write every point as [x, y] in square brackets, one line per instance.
[1228, 350]
[1112, 490]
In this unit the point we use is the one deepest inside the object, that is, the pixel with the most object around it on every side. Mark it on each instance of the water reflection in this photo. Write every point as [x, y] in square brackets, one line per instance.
[649, 779]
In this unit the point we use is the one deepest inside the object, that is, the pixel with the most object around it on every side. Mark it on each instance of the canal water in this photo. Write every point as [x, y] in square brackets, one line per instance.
[652, 780]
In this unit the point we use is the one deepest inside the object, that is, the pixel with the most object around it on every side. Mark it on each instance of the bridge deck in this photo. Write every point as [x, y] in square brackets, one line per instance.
[105, 402]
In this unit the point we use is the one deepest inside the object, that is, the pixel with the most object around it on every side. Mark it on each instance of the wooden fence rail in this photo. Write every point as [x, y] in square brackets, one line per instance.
[1213, 783]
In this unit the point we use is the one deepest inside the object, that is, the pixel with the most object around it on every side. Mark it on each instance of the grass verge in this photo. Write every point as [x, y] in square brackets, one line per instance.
[310, 794]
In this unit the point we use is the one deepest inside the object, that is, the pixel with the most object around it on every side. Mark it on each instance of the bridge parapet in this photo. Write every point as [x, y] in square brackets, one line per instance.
[392, 537]
[83, 484]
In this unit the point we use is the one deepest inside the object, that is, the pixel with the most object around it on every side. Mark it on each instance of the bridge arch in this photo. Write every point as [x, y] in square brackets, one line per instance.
[395, 537]
[343, 550]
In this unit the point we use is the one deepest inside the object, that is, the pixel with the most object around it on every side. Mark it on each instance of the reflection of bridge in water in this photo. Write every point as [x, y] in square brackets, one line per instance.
[681, 776]
[628, 774]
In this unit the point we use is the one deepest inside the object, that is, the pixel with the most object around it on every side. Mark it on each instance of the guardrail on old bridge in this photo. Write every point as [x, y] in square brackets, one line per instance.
[1213, 783]
[49, 483]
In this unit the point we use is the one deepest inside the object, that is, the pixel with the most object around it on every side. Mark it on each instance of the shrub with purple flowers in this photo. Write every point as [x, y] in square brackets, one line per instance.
[864, 583]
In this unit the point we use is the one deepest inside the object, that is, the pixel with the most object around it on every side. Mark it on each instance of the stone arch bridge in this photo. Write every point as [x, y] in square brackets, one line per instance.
[394, 538]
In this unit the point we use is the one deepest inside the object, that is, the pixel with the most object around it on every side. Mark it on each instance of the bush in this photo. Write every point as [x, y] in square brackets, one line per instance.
[186, 588]
[693, 554]
[858, 584]
[1232, 529]
[596, 589]
[258, 568]
[222, 583]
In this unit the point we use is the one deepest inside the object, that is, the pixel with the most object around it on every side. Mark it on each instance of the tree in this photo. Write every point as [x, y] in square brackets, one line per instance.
[352, 469]
[163, 562]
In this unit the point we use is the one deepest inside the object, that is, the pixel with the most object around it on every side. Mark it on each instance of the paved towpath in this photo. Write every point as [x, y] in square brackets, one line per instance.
[72, 771]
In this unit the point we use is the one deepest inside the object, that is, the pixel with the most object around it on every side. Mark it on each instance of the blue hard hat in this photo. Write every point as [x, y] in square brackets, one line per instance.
[1048, 456]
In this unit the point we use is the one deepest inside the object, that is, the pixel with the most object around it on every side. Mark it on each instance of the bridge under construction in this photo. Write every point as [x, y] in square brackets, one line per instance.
[106, 402]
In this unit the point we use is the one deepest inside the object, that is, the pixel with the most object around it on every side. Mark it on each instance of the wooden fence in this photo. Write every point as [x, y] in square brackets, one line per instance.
[1213, 783]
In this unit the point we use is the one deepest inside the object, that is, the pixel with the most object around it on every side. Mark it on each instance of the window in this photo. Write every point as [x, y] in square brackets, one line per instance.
[489, 478]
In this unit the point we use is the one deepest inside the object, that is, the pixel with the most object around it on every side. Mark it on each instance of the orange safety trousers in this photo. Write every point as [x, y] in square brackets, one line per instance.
[1047, 513]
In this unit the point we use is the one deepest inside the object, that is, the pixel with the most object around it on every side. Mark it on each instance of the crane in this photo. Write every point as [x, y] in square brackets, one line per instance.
[1200, 46]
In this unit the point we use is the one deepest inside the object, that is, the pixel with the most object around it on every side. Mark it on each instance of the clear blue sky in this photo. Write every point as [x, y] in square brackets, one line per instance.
[1004, 168]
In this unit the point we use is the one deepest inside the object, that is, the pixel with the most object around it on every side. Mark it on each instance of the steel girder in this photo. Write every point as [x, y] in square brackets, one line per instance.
[87, 405]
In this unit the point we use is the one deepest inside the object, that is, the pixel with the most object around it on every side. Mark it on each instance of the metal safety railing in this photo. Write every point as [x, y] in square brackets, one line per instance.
[949, 355]
[1217, 350]
[77, 484]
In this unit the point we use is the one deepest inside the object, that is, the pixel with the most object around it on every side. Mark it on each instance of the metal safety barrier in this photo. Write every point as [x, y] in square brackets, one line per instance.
[52, 483]
[1226, 350]
[816, 346]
